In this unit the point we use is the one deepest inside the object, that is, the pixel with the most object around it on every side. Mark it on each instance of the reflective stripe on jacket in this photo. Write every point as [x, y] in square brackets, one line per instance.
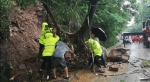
[95, 46]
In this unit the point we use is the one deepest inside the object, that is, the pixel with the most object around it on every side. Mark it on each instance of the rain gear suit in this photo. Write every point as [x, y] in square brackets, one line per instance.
[97, 51]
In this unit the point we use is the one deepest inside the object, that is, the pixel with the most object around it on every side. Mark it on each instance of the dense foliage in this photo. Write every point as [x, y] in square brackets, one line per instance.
[144, 11]
[111, 16]
[5, 71]
[4, 35]
[111, 19]
[4, 18]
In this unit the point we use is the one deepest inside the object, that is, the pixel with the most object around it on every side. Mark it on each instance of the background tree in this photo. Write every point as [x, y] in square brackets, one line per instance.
[112, 17]
[71, 16]
[5, 70]
[143, 11]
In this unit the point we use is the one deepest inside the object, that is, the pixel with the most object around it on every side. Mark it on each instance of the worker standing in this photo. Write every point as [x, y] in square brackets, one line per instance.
[45, 29]
[48, 41]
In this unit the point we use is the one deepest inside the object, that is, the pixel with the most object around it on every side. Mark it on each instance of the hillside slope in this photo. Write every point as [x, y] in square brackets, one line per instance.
[22, 48]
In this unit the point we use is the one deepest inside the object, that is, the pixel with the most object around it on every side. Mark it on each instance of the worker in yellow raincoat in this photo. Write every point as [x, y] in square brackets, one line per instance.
[49, 47]
[44, 30]
[97, 52]
[47, 42]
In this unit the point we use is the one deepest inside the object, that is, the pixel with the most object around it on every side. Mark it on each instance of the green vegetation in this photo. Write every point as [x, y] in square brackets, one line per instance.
[122, 81]
[111, 19]
[111, 16]
[5, 71]
[141, 16]
[4, 35]
[25, 3]
[145, 63]
[4, 18]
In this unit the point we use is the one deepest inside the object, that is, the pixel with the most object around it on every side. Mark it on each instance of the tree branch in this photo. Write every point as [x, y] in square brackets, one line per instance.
[52, 17]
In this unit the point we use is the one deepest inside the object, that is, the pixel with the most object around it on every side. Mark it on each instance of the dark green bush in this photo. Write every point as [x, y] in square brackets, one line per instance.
[4, 18]
[24, 3]
[5, 71]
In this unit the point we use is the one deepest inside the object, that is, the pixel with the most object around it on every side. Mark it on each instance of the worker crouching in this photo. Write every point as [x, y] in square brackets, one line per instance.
[96, 49]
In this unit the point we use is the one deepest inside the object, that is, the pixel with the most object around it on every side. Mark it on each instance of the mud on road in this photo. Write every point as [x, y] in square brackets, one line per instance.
[128, 72]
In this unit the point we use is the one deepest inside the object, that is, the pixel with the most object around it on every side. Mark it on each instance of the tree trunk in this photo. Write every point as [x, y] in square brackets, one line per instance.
[80, 33]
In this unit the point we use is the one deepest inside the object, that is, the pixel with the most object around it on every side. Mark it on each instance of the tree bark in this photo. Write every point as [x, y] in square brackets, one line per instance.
[47, 7]
[85, 26]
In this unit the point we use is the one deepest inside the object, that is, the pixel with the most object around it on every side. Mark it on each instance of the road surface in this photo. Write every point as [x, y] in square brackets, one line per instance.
[128, 72]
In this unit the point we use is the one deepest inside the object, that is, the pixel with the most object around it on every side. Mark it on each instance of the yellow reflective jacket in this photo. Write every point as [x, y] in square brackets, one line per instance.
[43, 31]
[49, 44]
[95, 47]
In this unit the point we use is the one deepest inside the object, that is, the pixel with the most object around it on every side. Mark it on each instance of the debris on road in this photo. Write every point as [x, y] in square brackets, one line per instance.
[119, 55]
[129, 72]
[134, 63]
[144, 62]
[143, 79]
[114, 67]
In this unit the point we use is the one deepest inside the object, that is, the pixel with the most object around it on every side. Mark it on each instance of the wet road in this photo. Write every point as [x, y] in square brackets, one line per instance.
[128, 72]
